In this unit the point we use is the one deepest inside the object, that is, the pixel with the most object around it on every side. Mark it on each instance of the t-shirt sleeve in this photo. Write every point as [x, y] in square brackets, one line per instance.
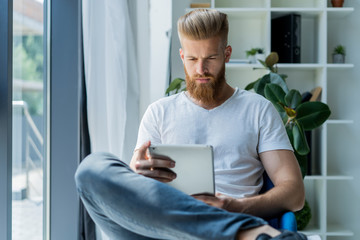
[272, 135]
[149, 129]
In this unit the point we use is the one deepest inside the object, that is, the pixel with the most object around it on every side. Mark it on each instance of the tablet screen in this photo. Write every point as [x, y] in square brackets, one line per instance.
[194, 166]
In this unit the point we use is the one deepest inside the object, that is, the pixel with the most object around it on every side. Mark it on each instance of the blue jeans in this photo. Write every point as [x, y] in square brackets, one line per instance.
[126, 205]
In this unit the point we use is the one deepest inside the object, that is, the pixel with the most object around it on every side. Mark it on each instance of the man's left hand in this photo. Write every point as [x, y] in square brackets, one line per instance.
[219, 200]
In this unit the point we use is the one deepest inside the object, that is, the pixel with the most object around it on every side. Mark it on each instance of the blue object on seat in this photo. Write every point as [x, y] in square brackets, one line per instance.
[287, 221]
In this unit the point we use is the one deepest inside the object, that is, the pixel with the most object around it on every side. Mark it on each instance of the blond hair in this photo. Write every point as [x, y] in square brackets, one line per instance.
[202, 24]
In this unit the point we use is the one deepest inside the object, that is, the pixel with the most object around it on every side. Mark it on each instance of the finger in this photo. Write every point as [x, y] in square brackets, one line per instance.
[155, 163]
[164, 180]
[220, 195]
[206, 200]
[203, 197]
[158, 173]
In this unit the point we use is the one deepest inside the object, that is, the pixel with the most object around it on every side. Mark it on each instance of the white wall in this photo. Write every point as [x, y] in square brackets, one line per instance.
[160, 24]
[142, 36]
[153, 20]
[177, 69]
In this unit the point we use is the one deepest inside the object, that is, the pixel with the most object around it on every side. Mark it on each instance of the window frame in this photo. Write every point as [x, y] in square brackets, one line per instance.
[6, 8]
[65, 81]
[63, 98]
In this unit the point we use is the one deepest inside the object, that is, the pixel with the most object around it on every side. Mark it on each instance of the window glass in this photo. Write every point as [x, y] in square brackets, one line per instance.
[29, 120]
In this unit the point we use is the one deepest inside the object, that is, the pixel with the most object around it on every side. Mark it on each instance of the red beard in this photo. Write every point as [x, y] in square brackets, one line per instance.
[207, 93]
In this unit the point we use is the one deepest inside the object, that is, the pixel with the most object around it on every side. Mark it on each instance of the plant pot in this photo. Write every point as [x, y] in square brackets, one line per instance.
[252, 59]
[338, 58]
[337, 3]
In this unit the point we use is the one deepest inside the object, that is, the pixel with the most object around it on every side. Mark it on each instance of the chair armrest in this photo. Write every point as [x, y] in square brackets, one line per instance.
[288, 222]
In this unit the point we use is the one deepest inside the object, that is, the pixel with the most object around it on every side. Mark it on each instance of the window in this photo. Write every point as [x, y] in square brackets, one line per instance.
[29, 120]
[25, 99]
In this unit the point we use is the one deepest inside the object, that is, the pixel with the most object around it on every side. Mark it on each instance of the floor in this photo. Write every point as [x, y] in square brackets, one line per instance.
[27, 220]
[27, 209]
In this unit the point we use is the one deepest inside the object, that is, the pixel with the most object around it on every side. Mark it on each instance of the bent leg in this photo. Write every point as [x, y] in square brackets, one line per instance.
[117, 198]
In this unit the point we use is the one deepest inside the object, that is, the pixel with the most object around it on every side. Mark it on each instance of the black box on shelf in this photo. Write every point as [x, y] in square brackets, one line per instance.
[285, 37]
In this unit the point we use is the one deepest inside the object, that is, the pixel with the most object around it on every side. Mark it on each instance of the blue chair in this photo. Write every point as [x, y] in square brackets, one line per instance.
[287, 221]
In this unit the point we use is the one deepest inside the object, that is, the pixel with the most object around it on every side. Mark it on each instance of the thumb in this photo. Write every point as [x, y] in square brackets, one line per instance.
[144, 147]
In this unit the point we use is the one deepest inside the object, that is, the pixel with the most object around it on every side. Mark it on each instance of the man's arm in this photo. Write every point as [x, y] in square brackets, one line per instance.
[288, 193]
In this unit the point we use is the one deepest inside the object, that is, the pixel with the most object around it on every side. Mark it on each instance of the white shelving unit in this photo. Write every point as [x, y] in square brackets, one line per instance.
[250, 26]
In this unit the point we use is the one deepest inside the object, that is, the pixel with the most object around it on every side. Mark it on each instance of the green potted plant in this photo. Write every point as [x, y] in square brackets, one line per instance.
[254, 54]
[339, 54]
[297, 116]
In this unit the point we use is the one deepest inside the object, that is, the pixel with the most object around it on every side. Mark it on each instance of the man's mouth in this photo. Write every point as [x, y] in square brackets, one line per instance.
[202, 80]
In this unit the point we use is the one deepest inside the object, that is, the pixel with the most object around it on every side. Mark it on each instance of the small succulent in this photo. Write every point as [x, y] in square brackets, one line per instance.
[339, 49]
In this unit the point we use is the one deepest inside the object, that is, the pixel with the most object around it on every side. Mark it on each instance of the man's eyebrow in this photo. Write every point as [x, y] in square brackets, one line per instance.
[211, 55]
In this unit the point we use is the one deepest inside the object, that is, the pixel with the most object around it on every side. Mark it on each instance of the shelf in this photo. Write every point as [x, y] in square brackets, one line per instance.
[337, 121]
[305, 66]
[306, 12]
[339, 65]
[329, 177]
[303, 4]
[241, 10]
[335, 230]
[248, 13]
[332, 191]
[311, 230]
[339, 12]
[339, 177]
[244, 65]
[313, 177]
[240, 4]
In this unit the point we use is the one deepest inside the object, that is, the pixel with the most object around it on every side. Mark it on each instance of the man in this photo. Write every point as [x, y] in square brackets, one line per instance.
[247, 135]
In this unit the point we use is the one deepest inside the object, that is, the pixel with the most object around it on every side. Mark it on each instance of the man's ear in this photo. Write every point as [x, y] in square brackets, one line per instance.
[228, 51]
[181, 54]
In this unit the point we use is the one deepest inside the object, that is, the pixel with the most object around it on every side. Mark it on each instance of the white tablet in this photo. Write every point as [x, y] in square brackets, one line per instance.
[194, 166]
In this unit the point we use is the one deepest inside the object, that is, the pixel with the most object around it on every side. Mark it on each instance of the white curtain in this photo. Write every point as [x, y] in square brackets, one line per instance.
[111, 77]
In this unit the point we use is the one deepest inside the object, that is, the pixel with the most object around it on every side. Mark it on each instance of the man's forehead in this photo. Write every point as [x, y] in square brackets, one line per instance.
[208, 46]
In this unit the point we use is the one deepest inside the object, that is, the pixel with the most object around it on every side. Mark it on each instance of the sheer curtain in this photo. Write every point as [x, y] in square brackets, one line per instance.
[110, 77]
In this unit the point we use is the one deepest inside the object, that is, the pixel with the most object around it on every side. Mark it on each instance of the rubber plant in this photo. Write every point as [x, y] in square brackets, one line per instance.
[297, 116]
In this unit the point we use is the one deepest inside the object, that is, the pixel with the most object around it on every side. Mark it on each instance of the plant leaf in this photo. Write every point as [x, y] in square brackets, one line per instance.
[302, 160]
[293, 98]
[175, 85]
[284, 116]
[276, 95]
[251, 85]
[263, 63]
[284, 76]
[300, 143]
[312, 114]
[277, 79]
[259, 86]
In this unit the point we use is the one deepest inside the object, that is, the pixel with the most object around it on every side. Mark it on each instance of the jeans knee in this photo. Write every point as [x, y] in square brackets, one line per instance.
[91, 168]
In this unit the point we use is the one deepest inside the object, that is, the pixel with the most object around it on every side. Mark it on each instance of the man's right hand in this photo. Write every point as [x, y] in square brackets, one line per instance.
[153, 167]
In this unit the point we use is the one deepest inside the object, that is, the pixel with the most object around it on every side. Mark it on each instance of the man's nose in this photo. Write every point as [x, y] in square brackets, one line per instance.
[201, 67]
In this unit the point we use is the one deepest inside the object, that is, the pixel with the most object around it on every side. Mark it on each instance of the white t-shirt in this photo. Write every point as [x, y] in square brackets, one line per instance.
[239, 129]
